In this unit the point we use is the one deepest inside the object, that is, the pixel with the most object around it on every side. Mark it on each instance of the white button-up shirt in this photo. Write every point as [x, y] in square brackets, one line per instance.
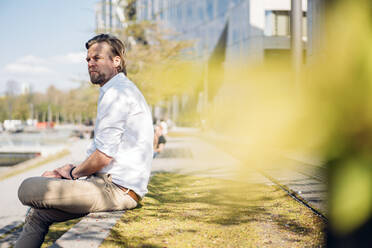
[124, 131]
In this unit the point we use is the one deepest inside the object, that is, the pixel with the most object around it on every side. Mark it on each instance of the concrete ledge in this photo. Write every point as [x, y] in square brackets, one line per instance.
[90, 231]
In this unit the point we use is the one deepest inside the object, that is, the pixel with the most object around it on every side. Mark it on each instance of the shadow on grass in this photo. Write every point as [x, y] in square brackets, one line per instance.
[128, 242]
[185, 206]
[235, 203]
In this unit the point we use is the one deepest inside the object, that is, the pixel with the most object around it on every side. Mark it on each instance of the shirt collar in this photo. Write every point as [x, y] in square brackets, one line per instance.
[111, 82]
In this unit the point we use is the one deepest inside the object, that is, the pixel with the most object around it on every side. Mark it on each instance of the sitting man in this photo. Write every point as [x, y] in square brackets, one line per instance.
[159, 140]
[118, 165]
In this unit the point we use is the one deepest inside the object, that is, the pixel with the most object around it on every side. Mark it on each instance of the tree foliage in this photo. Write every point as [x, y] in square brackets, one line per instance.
[76, 105]
[157, 64]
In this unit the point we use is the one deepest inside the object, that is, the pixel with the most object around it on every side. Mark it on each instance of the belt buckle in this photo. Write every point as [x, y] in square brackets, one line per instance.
[133, 195]
[130, 192]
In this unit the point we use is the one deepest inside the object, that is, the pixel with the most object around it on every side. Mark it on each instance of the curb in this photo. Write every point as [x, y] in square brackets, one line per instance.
[91, 231]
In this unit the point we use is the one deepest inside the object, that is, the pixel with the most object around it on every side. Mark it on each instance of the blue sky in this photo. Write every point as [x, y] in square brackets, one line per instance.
[42, 42]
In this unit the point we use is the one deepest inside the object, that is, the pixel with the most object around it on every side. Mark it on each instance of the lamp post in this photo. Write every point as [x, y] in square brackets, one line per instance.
[296, 37]
[205, 81]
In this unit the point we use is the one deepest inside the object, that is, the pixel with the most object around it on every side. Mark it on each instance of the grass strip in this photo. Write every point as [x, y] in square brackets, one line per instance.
[37, 164]
[57, 230]
[187, 211]
[4, 235]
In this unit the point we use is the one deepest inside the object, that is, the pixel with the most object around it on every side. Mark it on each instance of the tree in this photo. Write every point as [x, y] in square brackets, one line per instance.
[11, 91]
[157, 64]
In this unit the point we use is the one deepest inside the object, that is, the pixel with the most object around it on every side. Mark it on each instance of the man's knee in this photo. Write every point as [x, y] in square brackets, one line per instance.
[29, 190]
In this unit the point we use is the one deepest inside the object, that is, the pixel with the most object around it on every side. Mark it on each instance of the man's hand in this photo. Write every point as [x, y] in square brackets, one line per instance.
[53, 174]
[64, 171]
[95, 162]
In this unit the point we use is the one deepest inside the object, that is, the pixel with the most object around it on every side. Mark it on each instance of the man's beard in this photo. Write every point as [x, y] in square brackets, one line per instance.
[97, 78]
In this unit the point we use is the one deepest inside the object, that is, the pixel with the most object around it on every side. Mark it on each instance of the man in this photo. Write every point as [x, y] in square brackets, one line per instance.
[159, 140]
[117, 168]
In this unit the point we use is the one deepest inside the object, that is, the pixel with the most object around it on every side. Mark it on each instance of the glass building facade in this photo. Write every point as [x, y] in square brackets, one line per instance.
[252, 27]
[109, 16]
[240, 30]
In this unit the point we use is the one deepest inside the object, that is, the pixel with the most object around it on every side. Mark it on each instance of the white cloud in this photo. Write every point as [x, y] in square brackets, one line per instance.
[28, 64]
[26, 68]
[73, 58]
[35, 65]
[30, 59]
[57, 70]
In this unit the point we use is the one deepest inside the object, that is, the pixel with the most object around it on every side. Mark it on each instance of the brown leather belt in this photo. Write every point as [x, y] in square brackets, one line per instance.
[130, 193]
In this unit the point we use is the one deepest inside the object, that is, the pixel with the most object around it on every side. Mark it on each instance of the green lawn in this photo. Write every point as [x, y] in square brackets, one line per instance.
[185, 211]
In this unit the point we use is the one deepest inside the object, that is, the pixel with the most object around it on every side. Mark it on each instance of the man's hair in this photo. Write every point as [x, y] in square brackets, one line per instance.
[117, 48]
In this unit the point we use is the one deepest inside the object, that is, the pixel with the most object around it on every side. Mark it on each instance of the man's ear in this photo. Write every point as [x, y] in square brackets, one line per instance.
[117, 61]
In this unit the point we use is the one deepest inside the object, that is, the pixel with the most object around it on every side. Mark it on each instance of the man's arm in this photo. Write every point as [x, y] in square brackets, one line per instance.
[160, 148]
[95, 162]
[112, 115]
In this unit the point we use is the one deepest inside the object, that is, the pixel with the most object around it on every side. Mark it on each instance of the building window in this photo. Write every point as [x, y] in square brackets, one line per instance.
[210, 13]
[222, 6]
[179, 12]
[189, 10]
[278, 23]
[201, 13]
[145, 16]
[235, 37]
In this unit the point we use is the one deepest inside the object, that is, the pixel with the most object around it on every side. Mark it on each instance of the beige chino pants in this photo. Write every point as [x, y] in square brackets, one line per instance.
[56, 200]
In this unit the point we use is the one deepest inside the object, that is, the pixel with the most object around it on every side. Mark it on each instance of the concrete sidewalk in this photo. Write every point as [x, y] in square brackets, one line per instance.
[194, 156]
[12, 212]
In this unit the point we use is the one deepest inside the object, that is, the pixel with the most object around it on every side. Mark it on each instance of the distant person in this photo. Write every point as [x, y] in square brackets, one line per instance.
[165, 127]
[159, 141]
[117, 168]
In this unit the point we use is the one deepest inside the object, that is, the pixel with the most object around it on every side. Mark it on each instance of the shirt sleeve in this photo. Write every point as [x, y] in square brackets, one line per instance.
[91, 148]
[112, 114]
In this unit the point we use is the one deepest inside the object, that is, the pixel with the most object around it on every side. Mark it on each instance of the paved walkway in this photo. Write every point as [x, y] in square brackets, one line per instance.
[303, 181]
[191, 155]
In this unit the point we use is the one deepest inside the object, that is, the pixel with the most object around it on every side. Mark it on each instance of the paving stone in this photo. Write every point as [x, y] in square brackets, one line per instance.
[90, 231]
